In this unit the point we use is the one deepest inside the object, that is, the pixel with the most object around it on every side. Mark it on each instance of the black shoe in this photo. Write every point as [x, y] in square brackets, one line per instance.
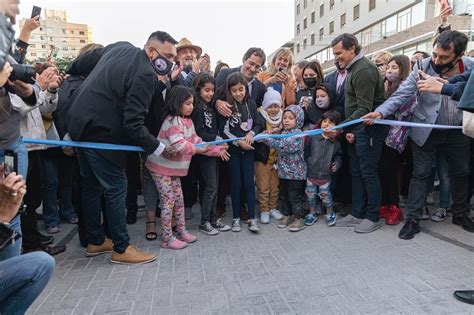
[465, 222]
[54, 250]
[466, 296]
[409, 230]
[46, 239]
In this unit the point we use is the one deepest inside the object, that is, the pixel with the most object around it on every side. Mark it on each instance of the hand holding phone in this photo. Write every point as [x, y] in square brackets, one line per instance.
[419, 65]
[11, 162]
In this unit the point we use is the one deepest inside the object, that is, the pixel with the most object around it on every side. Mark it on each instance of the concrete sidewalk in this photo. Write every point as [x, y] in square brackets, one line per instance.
[319, 270]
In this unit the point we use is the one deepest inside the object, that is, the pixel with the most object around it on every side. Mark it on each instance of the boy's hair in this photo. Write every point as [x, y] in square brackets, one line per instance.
[332, 115]
[200, 81]
[232, 80]
[175, 99]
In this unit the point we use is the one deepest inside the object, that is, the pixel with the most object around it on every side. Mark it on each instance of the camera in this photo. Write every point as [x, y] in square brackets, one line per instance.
[24, 73]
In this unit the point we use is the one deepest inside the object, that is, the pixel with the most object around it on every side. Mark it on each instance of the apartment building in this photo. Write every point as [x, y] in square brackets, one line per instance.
[399, 26]
[57, 36]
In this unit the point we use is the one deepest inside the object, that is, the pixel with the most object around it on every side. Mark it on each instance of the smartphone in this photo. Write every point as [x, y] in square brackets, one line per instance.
[420, 68]
[36, 11]
[444, 4]
[11, 162]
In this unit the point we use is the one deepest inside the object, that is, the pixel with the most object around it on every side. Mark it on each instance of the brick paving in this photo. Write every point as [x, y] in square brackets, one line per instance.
[320, 270]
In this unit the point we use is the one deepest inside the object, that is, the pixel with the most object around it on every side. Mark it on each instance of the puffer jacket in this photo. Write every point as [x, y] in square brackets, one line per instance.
[31, 123]
[291, 163]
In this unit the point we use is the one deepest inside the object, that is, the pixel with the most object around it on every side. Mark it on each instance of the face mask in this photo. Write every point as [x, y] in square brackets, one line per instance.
[392, 77]
[161, 65]
[442, 68]
[322, 102]
[310, 82]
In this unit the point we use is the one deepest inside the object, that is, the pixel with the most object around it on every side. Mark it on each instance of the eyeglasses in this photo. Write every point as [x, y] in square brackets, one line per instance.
[379, 65]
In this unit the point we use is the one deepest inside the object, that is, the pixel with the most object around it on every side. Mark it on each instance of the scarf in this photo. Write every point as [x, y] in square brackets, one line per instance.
[273, 121]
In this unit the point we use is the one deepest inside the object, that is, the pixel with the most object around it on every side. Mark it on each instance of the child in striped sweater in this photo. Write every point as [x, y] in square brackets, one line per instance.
[179, 136]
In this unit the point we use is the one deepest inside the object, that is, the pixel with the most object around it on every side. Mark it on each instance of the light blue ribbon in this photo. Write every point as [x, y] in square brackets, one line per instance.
[259, 137]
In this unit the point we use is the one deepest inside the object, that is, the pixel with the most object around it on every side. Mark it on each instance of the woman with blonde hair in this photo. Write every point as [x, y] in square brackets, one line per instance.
[380, 59]
[280, 77]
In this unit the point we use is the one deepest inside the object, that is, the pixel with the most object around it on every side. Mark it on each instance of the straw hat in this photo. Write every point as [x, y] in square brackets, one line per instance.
[186, 43]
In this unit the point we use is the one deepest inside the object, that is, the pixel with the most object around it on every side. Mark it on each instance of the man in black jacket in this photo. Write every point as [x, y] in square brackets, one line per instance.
[110, 107]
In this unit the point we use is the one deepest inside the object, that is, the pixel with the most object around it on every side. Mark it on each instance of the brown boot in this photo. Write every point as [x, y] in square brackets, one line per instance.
[132, 256]
[106, 247]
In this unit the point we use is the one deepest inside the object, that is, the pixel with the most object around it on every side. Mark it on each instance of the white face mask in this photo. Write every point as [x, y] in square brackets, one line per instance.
[322, 102]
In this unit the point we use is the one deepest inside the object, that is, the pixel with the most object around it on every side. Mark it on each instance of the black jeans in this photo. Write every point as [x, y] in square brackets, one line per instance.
[455, 146]
[364, 156]
[242, 176]
[101, 176]
[291, 195]
[133, 181]
[189, 185]
[208, 186]
[32, 200]
[389, 179]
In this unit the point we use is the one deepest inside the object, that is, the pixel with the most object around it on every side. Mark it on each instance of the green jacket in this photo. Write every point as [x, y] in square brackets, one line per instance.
[364, 88]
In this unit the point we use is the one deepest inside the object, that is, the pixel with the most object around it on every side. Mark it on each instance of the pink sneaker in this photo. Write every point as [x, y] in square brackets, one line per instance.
[187, 237]
[174, 243]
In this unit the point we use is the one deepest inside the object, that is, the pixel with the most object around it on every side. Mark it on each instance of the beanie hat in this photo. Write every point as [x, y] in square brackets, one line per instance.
[271, 97]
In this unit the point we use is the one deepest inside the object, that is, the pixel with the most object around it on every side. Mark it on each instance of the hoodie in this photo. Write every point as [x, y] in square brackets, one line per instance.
[313, 113]
[291, 163]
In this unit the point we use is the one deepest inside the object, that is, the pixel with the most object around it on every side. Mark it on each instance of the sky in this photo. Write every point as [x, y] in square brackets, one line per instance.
[224, 29]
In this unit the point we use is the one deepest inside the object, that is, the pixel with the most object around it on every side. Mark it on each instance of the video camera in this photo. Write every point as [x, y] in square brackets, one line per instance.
[20, 72]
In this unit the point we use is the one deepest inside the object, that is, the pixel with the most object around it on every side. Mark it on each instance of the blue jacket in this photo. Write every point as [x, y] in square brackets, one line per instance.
[428, 104]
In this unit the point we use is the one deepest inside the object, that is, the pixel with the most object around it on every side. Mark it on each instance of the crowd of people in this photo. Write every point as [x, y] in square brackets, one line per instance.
[197, 128]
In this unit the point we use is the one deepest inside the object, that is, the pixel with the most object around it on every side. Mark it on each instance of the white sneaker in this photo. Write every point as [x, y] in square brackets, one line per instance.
[236, 225]
[265, 217]
[276, 214]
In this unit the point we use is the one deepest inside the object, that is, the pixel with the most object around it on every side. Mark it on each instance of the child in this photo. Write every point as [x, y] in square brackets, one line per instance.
[204, 118]
[177, 133]
[325, 159]
[291, 169]
[265, 158]
[243, 123]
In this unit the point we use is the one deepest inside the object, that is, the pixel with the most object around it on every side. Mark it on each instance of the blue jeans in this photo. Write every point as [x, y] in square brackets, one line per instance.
[242, 172]
[20, 149]
[57, 173]
[22, 279]
[443, 176]
[101, 176]
[323, 192]
[364, 156]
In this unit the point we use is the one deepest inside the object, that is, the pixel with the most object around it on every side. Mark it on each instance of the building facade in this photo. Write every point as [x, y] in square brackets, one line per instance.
[399, 26]
[57, 37]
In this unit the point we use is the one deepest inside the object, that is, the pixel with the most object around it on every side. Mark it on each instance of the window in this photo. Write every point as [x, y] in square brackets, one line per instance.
[305, 23]
[50, 39]
[41, 29]
[356, 12]
[305, 4]
[371, 5]
[321, 33]
[390, 26]
[64, 31]
[304, 44]
[298, 9]
[43, 46]
[404, 20]
[42, 37]
[33, 54]
[331, 27]
[297, 48]
[321, 10]
[32, 46]
[82, 33]
[82, 41]
[72, 32]
[331, 4]
[313, 39]
[313, 17]
[297, 29]
[343, 20]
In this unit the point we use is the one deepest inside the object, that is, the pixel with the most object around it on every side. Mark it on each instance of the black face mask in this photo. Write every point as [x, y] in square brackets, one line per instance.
[310, 82]
[439, 69]
[161, 65]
